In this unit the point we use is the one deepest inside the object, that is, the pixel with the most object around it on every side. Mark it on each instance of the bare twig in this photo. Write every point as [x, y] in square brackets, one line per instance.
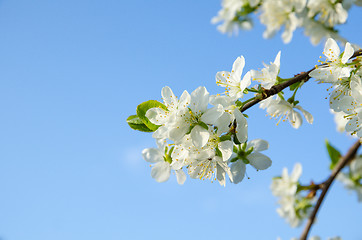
[304, 76]
[340, 165]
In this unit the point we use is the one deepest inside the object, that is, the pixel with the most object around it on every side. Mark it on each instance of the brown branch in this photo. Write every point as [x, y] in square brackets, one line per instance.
[304, 76]
[340, 165]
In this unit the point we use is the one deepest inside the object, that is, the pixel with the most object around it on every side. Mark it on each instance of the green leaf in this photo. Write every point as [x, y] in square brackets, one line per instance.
[136, 123]
[225, 138]
[294, 86]
[204, 125]
[334, 155]
[143, 108]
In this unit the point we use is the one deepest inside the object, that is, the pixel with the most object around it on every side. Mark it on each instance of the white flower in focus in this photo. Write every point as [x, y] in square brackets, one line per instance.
[209, 161]
[268, 75]
[287, 185]
[196, 118]
[231, 114]
[354, 109]
[279, 108]
[249, 153]
[340, 120]
[161, 169]
[232, 80]
[335, 65]
[165, 118]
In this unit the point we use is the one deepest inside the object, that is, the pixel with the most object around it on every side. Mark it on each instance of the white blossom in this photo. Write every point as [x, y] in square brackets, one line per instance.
[232, 80]
[249, 153]
[161, 169]
[268, 75]
[284, 110]
[335, 66]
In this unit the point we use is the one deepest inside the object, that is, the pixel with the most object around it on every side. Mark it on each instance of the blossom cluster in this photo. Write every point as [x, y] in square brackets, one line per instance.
[294, 207]
[345, 77]
[207, 135]
[211, 143]
[317, 17]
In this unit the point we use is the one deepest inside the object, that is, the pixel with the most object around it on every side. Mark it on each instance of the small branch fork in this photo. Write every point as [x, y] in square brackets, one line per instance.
[304, 76]
[325, 186]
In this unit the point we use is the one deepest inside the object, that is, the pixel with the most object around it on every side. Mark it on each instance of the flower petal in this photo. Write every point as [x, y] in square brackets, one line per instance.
[152, 155]
[180, 176]
[161, 171]
[238, 171]
[199, 136]
[258, 145]
[259, 161]
[297, 172]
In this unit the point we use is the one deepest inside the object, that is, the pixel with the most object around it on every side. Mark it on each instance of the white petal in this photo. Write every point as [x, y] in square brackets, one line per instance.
[331, 50]
[223, 123]
[295, 119]
[277, 59]
[161, 133]
[259, 161]
[238, 66]
[220, 175]
[297, 172]
[161, 171]
[246, 81]
[226, 148]
[152, 155]
[212, 114]
[242, 126]
[156, 115]
[199, 136]
[178, 133]
[258, 145]
[306, 114]
[168, 96]
[185, 100]
[180, 176]
[348, 52]
[199, 100]
[238, 171]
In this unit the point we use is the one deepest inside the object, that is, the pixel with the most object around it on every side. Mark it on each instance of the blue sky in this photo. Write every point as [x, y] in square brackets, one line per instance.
[71, 72]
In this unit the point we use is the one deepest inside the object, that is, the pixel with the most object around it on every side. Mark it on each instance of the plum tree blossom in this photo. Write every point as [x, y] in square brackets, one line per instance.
[232, 80]
[249, 153]
[268, 75]
[284, 110]
[207, 134]
[318, 18]
[161, 158]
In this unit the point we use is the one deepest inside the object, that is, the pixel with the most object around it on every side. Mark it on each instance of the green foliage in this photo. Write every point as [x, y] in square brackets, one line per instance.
[136, 123]
[334, 155]
[140, 122]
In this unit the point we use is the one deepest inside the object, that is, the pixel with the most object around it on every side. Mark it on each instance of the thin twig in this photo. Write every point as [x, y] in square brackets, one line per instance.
[304, 76]
[340, 165]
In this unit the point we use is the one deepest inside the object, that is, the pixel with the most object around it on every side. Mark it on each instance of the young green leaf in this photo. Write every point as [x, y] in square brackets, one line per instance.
[334, 155]
[143, 108]
[136, 123]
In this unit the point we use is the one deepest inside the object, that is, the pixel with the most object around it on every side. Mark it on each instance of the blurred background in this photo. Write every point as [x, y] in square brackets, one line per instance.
[71, 72]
